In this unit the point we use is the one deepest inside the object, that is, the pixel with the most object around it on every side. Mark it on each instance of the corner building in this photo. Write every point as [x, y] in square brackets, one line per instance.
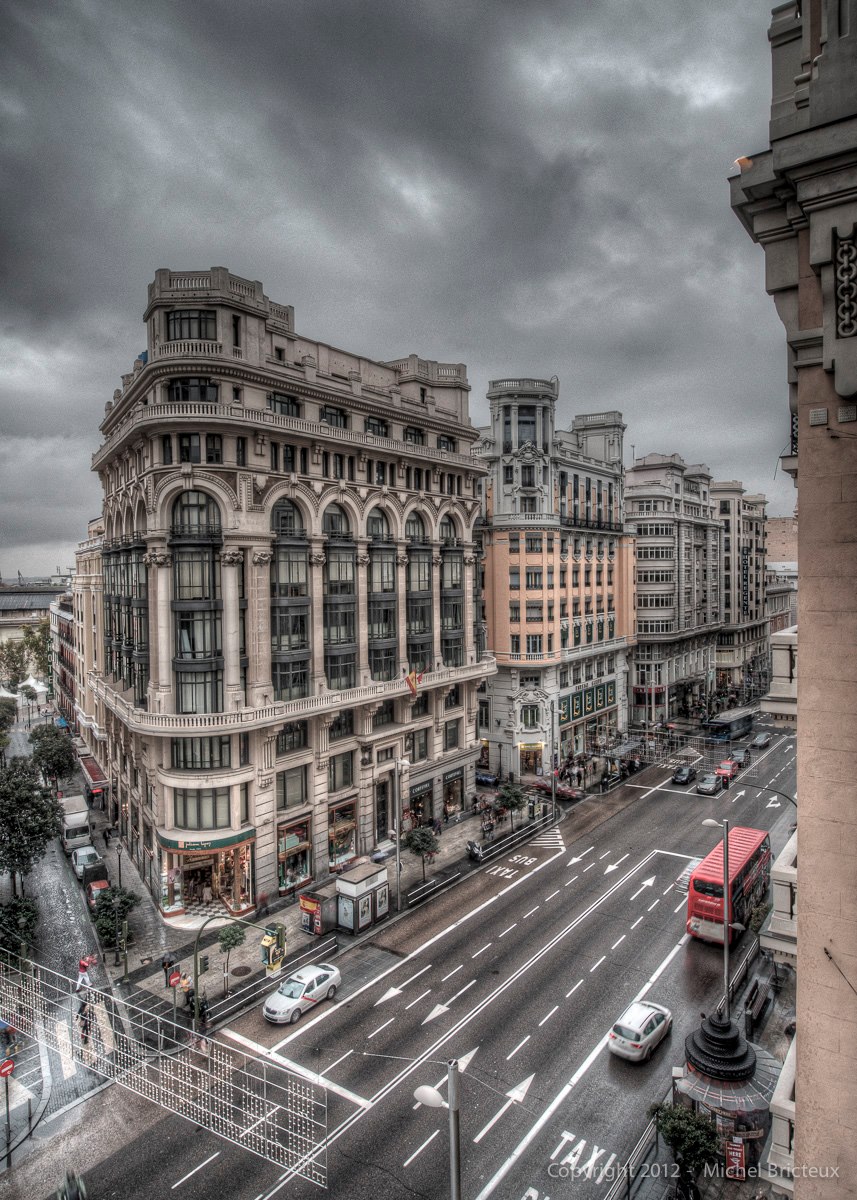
[287, 535]
[559, 608]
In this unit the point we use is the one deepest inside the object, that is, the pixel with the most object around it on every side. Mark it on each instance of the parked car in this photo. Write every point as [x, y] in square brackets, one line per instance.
[301, 992]
[639, 1030]
[760, 741]
[709, 785]
[683, 881]
[94, 891]
[729, 767]
[84, 856]
[486, 779]
[740, 755]
[684, 774]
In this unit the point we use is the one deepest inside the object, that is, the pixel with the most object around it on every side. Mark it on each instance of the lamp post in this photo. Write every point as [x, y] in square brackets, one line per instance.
[119, 857]
[554, 762]
[116, 906]
[727, 924]
[432, 1098]
[400, 762]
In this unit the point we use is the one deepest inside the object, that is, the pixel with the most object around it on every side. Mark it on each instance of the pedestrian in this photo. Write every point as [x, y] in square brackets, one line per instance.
[83, 980]
[84, 1017]
[106, 835]
[167, 962]
[438, 828]
[206, 893]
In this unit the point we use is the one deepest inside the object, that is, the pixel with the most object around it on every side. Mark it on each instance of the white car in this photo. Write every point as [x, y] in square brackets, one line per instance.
[84, 856]
[301, 992]
[640, 1028]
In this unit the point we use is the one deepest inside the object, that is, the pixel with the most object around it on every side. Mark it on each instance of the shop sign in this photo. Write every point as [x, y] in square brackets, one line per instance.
[172, 841]
[575, 705]
[735, 1159]
[451, 775]
[530, 745]
[421, 789]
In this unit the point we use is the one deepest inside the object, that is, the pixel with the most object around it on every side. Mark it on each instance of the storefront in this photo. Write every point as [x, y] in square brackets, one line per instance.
[342, 834]
[197, 873]
[96, 783]
[453, 792]
[419, 810]
[530, 758]
[294, 855]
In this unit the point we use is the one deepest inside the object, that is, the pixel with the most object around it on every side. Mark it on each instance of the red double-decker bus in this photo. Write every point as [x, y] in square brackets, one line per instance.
[749, 879]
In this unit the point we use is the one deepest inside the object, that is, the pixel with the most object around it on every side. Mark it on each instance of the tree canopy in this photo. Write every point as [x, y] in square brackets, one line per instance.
[230, 938]
[513, 796]
[29, 819]
[421, 842]
[691, 1137]
[53, 752]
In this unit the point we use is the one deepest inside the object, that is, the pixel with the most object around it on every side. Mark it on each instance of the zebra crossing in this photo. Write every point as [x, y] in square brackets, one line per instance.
[551, 839]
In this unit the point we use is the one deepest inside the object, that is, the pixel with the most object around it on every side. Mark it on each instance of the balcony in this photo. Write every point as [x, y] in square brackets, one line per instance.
[138, 720]
[779, 932]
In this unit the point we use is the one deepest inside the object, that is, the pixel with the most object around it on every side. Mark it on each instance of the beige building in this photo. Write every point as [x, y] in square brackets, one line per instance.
[743, 651]
[670, 508]
[559, 581]
[781, 538]
[277, 620]
[797, 198]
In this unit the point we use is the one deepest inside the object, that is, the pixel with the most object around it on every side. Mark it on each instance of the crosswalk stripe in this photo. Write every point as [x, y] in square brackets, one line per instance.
[64, 1048]
[105, 1029]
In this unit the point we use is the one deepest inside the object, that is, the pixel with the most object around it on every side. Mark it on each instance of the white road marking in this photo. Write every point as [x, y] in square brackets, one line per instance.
[516, 1095]
[637, 922]
[574, 989]
[463, 1064]
[211, 1158]
[651, 906]
[518, 1047]
[339, 1060]
[551, 896]
[589, 868]
[572, 880]
[560, 1097]
[530, 913]
[460, 967]
[420, 997]
[680, 906]
[549, 1015]
[413, 977]
[380, 1027]
[313, 1076]
[598, 964]
[578, 857]
[669, 889]
[509, 930]
[615, 944]
[482, 951]
[606, 854]
[461, 991]
[427, 1142]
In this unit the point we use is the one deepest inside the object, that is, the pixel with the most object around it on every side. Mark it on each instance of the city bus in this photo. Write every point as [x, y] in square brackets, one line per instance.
[749, 879]
[733, 723]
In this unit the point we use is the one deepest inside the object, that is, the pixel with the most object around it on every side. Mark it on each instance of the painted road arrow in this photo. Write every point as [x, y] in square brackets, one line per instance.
[516, 1095]
[738, 795]
[578, 857]
[442, 1008]
[614, 866]
[397, 991]
[646, 883]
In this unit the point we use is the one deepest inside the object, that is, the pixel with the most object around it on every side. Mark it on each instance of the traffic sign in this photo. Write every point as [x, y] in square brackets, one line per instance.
[7, 1067]
[175, 976]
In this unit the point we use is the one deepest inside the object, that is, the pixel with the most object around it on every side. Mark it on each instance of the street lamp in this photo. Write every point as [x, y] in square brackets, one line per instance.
[117, 903]
[727, 924]
[119, 856]
[432, 1098]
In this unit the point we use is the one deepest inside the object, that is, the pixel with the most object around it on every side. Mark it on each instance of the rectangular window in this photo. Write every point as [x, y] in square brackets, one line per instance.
[514, 612]
[203, 808]
[199, 691]
[167, 450]
[514, 543]
[342, 727]
[534, 643]
[534, 577]
[514, 579]
[241, 452]
[531, 716]
[291, 680]
[415, 436]
[377, 427]
[291, 787]
[236, 330]
[201, 754]
[340, 771]
[213, 448]
[528, 504]
[446, 443]
[189, 447]
[384, 716]
[514, 643]
[292, 737]
[275, 456]
[535, 610]
[286, 406]
[420, 706]
[192, 324]
[450, 735]
[418, 745]
[528, 476]
[337, 417]
[508, 474]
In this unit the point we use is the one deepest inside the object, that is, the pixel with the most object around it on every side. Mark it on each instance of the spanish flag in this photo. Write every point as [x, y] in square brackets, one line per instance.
[412, 680]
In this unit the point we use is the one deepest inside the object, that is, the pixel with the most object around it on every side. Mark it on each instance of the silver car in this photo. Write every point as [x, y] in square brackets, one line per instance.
[301, 992]
[84, 856]
[709, 785]
[640, 1028]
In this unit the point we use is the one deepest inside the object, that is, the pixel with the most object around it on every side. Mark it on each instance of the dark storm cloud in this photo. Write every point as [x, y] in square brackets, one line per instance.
[534, 189]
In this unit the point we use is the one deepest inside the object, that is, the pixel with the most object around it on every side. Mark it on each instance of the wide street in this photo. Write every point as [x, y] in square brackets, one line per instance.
[518, 973]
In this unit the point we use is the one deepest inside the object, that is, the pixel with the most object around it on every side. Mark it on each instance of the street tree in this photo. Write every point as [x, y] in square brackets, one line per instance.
[422, 843]
[37, 646]
[230, 938]
[13, 662]
[108, 916]
[53, 752]
[19, 918]
[29, 819]
[8, 714]
[692, 1138]
[513, 797]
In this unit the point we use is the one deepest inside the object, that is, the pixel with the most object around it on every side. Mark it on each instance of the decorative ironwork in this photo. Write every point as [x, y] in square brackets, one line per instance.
[846, 287]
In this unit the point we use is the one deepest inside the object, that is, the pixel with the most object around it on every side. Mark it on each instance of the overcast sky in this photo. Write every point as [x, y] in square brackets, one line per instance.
[532, 188]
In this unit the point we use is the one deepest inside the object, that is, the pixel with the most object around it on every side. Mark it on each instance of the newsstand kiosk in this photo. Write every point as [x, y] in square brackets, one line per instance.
[363, 897]
[318, 909]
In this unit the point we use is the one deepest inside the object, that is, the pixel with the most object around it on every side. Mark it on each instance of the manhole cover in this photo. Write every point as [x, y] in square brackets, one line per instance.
[241, 971]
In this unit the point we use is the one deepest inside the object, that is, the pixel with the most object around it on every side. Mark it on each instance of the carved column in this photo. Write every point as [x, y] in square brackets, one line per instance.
[317, 559]
[230, 560]
[469, 564]
[159, 562]
[257, 582]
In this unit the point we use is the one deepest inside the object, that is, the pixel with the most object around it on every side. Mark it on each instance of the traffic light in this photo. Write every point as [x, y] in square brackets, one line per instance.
[203, 963]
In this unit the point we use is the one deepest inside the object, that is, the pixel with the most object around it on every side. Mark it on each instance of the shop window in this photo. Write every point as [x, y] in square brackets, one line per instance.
[294, 851]
[291, 787]
[342, 835]
[340, 771]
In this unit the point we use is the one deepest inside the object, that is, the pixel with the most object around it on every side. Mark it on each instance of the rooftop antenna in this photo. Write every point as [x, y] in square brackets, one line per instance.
[633, 452]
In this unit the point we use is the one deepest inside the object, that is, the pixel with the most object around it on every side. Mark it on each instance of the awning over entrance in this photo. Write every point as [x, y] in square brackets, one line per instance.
[93, 773]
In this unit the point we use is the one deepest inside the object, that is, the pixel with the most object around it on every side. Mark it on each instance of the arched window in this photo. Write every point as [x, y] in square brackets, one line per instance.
[286, 519]
[377, 525]
[335, 522]
[415, 530]
[447, 531]
[196, 513]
